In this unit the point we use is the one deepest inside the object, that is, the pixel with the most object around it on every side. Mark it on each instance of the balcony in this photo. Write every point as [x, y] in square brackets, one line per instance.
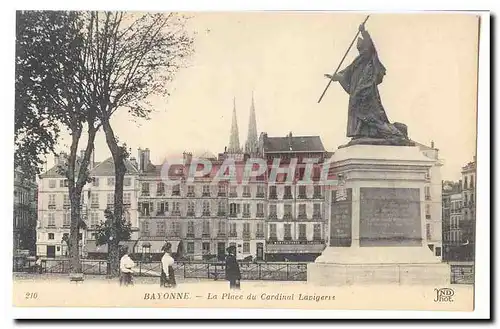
[246, 235]
[173, 234]
[273, 216]
[316, 215]
[94, 205]
[427, 197]
[190, 235]
[302, 216]
[287, 197]
[66, 206]
[302, 238]
[233, 215]
[287, 216]
[246, 215]
[287, 238]
[205, 235]
[294, 242]
[302, 196]
[190, 194]
[233, 195]
[247, 195]
[176, 213]
[160, 193]
[221, 194]
[144, 193]
[221, 213]
[52, 206]
[260, 215]
[317, 196]
[260, 195]
[233, 234]
[221, 235]
[273, 196]
[206, 214]
[176, 193]
[259, 235]
[144, 213]
[160, 213]
[205, 194]
[190, 214]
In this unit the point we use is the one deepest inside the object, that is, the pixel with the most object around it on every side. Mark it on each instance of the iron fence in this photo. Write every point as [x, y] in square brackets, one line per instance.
[275, 271]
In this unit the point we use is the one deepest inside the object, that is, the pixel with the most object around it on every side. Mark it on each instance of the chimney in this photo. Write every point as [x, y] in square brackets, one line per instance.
[432, 144]
[141, 159]
[147, 159]
[290, 139]
[133, 160]
[188, 157]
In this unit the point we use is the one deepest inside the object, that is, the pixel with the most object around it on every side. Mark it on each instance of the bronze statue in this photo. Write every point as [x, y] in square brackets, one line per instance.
[367, 121]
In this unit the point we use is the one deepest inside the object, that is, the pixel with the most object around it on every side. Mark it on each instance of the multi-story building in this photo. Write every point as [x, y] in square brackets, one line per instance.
[54, 209]
[433, 200]
[468, 224]
[296, 224]
[25, 213]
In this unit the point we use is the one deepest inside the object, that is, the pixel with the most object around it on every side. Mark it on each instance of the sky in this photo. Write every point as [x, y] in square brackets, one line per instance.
[430, 85]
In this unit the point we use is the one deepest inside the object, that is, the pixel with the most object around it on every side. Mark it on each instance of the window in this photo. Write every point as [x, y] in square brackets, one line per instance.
[302, 211]
[246, 228]
[260, 191]
[221, 208]
[317, 210]
[111, 199]
[52, 219]
[206, 208]
[246, 210]
[66, 200]
[52, 201]
[288, 211]
[205, 246]
[272, 211]
[51, 236]
[160, 228]
[176, 190]
[438, 251]
[190, 228]
[126, 198]
[206, 227]
[260, 229]
[272, 192]
[190, 191]
[222, 189]
[160, 189]
[428, 211]
[317, 192]
[246, 247]
[161, 208]
[232, 229]
[145, 228]
[302, 232]
[288, 231]
[176, 228]
[232, 191]
[95, 181]
[206, 190]
[175, 208]
[52, 183]
[127, 181]
[260, 210]
[427, 193]
[145, 189]
[471, 182]
[94, 219]
[67, 219]
[234, 209]
[272, 231]
[222, 228]
[246, 191]
[465, 183]
[111, 181]
[288, 192]
[190, 208]
[317, 232]
[190, 248]
[302, 192]
[94, 200]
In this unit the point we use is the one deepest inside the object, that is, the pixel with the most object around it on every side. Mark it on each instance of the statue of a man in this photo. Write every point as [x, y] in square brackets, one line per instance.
[366, 115]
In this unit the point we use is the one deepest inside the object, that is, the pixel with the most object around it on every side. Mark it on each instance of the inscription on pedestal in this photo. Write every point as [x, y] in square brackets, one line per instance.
[390, 217]
[340, 224]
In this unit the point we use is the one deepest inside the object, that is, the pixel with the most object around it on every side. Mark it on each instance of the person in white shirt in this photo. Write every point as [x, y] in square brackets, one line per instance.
[126, 265]
[167, 278]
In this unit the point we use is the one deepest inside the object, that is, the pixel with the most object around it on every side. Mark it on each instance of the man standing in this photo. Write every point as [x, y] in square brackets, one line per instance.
[233, 274]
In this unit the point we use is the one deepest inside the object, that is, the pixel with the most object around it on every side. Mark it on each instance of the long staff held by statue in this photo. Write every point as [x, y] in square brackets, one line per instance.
[338, 67]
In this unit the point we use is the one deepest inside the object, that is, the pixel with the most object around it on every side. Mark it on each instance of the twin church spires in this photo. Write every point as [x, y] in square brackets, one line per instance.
[252, 143]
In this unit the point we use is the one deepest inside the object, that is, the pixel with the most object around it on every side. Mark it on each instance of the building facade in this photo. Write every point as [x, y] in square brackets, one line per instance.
[25, 213]
[468, 224]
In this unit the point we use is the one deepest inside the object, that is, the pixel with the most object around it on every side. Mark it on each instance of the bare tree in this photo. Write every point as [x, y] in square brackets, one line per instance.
[130, 57]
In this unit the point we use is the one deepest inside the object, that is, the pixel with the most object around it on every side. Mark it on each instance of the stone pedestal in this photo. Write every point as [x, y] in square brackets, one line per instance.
[377, 220]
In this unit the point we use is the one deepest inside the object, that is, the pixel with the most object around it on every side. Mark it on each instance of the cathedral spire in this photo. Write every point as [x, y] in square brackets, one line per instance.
[252, 144]
[234, 140]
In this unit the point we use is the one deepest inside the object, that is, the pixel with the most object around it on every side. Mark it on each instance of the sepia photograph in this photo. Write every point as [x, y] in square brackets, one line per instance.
[305, 160]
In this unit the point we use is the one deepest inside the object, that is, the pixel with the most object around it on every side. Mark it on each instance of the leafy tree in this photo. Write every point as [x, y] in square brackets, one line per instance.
[51, 77]
[132, 57]
[104, 230]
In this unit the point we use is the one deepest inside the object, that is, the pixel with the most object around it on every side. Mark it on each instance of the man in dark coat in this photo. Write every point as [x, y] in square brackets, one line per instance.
[233, 274]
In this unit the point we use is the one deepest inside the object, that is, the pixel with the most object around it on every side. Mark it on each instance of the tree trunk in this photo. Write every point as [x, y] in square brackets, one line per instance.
[119, 163]
[74, 232]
